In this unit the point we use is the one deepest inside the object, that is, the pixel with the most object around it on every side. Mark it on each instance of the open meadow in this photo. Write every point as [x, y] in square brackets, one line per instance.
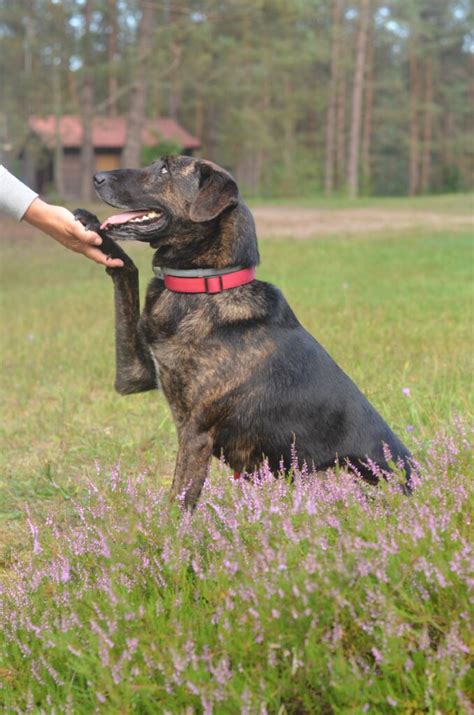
[324, 596]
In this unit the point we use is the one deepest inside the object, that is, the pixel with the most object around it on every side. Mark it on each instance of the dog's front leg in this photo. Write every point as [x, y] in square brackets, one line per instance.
[134, 368]
[192, 464]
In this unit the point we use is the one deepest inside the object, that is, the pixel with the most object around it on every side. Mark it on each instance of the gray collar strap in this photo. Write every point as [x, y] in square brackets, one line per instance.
[194, 273]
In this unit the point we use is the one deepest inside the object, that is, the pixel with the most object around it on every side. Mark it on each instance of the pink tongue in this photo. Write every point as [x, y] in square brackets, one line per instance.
[123, 217]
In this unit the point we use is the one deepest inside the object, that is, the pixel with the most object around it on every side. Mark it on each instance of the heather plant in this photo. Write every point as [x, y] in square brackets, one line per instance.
[301, 594]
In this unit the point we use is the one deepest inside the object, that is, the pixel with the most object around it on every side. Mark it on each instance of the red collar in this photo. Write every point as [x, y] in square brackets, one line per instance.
[205, 280]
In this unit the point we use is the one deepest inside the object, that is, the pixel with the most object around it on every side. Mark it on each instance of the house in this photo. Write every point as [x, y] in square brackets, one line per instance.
[108, 138]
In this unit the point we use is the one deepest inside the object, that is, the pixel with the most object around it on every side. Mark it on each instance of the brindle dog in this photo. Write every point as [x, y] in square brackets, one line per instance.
[243, 378]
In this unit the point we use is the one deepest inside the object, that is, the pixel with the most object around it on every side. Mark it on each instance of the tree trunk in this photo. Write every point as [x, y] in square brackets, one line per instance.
[137, 97]
[4, 144]
[413, 179]
[198, 117]
[58, 145]
[112, 57]
[357, 93]
[288, 148]
[73, 95]
[87, 111]
[212, 132]
[427, 128]
[330, 163]
[341, 128]
[367, 129]
[175, 96]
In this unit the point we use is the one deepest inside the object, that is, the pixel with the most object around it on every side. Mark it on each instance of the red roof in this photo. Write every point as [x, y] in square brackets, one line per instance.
[109, 132]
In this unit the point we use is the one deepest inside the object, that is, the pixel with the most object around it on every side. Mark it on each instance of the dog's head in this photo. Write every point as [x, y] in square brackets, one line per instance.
[168, 198]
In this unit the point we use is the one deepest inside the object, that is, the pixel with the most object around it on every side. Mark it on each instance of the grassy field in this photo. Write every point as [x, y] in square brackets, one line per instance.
[396, 313]
[460, 204]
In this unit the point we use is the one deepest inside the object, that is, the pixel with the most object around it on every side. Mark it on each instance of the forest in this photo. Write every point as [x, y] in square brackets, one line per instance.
[295, 97]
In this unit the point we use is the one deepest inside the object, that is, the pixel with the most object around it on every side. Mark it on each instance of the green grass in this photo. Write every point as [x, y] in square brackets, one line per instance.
[395, 311]
[442, 203]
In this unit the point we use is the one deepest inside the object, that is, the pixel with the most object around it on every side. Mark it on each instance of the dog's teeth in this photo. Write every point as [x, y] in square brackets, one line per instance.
[146, 217]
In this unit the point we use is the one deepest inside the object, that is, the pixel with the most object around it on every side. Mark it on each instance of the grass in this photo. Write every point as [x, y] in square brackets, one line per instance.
[395, 311]
[462, 204]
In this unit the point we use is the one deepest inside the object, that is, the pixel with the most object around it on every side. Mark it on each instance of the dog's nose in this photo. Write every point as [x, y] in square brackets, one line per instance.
[100, 178]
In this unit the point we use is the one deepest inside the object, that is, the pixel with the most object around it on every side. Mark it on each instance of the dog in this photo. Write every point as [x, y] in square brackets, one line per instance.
[244, 380]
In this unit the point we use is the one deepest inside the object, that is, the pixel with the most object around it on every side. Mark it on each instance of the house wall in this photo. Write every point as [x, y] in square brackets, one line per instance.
[72, 173]
[35, 165]
[107, 160]
[104, 161]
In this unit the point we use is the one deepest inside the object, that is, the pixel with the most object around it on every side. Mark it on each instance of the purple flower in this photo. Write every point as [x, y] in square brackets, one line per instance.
[377, 655]
[316, 552]
[34, 532]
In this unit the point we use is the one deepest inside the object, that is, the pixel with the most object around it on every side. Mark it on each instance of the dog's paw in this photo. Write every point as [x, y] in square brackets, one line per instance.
[88, 220]
[108, 246]
[112, 249]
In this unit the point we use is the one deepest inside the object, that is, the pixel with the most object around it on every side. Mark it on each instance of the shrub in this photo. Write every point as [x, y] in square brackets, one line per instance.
[161, 148]
[321, 595]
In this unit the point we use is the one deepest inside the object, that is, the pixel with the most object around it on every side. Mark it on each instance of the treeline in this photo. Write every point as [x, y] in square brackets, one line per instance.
[294, 96]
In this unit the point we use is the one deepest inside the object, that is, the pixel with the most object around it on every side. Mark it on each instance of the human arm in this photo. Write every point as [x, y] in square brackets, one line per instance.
[19, 201]
[60, 224]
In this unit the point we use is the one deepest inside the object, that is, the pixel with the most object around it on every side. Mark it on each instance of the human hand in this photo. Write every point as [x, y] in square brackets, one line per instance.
[60, 224]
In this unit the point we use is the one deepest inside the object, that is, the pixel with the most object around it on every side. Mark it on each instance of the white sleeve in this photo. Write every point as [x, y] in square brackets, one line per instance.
[15, 197]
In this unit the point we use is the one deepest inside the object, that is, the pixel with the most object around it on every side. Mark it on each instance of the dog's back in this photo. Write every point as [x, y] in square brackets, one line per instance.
[265, 383]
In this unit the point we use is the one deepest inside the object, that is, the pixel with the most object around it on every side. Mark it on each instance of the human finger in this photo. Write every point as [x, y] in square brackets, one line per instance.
[89, 237]
[103, 259]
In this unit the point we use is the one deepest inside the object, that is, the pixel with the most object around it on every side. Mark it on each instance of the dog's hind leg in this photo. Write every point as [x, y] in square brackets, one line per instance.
[192, 465]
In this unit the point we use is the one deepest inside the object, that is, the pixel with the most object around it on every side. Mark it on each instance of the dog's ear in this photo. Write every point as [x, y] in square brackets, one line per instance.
[217, 191]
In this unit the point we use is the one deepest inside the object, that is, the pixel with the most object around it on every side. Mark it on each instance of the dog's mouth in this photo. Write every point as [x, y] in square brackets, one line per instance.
[134, 219]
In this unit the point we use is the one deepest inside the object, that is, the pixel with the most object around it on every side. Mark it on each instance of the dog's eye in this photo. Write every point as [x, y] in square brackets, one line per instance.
[164, 170]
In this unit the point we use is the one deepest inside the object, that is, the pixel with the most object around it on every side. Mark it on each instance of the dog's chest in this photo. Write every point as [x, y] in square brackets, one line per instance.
[156, 365]
[174, 343]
